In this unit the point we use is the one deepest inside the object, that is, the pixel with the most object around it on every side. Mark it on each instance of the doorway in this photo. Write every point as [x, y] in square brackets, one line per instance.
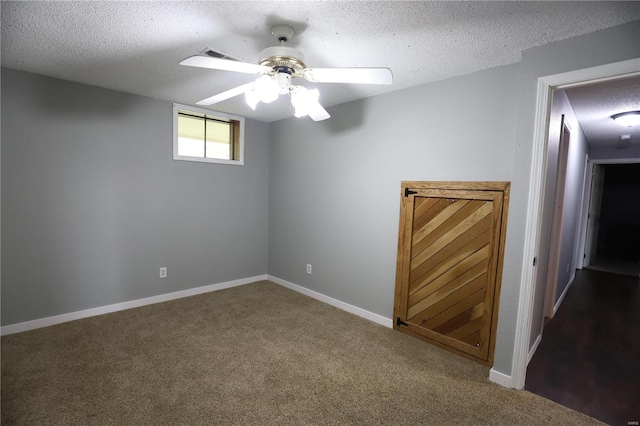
[615, 233]
[593, 215]
[572, 364]
[524, 343]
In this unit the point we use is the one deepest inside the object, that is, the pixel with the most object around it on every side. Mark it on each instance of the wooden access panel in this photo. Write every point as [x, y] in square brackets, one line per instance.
[450, 252]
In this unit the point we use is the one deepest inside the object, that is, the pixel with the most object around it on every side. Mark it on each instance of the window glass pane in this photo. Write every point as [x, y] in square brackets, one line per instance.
[218, 140]
[190, 147]
[217, 131]
[204, 136]
[190, 136]
[218, 150]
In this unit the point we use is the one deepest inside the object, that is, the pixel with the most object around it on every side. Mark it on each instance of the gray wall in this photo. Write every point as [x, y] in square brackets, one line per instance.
[335, 185]
[93, 204]
[572, 206]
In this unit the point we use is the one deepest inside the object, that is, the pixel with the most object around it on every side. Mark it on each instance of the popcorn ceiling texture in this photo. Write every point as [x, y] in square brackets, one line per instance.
[595, 104]
[135, 47]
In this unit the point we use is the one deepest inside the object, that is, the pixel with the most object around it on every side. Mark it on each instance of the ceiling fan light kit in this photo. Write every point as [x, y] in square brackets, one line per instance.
[277, 66]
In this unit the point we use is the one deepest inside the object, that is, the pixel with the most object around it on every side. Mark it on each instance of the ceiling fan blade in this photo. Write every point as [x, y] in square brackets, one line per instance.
[226, 95]
[317, 112]
[349, 75]
[225, 64]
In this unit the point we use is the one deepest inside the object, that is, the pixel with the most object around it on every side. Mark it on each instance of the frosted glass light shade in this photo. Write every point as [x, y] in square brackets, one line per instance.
[252, 98]
[303, 100]
[627, 119]
[267, 89]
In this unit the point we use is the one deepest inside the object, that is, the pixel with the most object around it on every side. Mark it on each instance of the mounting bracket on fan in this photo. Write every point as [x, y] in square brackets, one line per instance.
[282, 33]
[283, 59]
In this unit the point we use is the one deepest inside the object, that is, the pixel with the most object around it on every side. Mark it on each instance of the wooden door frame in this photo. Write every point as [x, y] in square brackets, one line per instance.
[491, 187]
[533, 222]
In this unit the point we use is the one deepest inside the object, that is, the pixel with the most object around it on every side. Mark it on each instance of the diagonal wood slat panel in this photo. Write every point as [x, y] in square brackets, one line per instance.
[450, 253]
[421, 205]
[477, 246]
[471, 327]
[427, 210]
[469, 269]
[436, 221]
[448, 305]
[476, 230]
[454, 277]
[418, 201]
[455, 230]
[454, 310]
[461, 321]
[454, 219]
[447, 289]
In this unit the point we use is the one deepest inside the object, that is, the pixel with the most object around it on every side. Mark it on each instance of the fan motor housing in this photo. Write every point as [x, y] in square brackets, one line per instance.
[283, 59]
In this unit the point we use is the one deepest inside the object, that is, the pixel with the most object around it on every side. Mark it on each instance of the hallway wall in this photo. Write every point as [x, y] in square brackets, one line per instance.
[574, 185]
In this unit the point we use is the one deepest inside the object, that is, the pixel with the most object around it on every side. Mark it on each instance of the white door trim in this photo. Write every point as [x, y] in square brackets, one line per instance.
[557, 223]
[534, 214]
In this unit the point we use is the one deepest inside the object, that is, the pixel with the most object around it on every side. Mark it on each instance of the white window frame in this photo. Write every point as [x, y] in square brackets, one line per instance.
[177, 107]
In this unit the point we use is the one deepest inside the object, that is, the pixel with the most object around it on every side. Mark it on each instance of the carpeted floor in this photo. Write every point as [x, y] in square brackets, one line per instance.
[256, 354]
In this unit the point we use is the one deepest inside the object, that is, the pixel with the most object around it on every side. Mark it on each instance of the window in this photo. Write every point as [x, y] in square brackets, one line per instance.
[207, 136]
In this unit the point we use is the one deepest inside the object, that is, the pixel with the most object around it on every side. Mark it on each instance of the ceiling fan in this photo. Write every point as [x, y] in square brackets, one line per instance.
[277, 66]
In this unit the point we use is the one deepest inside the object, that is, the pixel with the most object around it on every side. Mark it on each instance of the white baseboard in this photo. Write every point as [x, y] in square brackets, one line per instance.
[535, 345]
[534, 348]
[500, 378]
[564, 293]
[72, 316]
[379, 319]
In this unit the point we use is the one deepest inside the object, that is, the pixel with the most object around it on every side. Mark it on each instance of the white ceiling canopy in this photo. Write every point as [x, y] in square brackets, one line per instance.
[136, 47]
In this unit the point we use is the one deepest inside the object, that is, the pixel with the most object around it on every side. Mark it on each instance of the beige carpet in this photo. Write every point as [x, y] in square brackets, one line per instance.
[257, 354]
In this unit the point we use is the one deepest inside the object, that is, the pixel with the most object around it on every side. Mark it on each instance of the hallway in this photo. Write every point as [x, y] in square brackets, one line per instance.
[589, 357]
[616, 266]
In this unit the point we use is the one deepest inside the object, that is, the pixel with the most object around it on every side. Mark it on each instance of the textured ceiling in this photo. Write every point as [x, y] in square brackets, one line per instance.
[135, 47]
[594, 105]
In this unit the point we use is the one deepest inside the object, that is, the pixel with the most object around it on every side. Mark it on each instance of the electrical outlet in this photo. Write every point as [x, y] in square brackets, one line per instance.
[163, 272]
[567, 267]
[308, 268]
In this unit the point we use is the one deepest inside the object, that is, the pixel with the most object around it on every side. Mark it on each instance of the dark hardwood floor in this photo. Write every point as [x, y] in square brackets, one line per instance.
[589, 357]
